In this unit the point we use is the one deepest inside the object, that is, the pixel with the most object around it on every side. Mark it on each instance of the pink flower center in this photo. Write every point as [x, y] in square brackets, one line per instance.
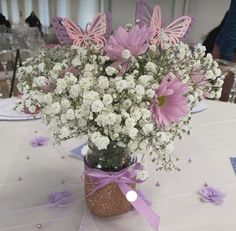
[161, 101]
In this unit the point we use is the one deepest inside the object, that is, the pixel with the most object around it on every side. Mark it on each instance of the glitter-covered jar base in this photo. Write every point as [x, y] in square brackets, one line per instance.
[107, 201]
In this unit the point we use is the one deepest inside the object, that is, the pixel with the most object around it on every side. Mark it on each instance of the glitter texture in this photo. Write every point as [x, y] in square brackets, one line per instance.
[108, 201]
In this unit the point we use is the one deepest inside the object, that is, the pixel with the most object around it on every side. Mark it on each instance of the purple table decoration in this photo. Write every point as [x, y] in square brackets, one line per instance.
[60, 199]
[211, 195]
[38, 141]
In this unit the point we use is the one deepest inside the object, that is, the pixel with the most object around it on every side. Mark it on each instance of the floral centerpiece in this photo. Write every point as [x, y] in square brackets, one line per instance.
[131, 92]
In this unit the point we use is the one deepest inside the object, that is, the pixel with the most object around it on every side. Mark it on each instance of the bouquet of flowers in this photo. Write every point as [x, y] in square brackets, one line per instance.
[135, 87]
[131, 91]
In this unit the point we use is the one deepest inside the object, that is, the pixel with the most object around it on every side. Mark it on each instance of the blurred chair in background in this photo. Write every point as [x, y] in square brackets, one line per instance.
[227, 88]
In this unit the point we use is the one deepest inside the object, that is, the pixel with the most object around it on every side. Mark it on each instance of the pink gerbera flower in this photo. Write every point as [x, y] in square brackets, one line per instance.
[169, 102]
[135, 40]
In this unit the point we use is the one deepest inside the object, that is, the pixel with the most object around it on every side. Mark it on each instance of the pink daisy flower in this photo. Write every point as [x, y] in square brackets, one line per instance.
[169, 102]
[135, 40]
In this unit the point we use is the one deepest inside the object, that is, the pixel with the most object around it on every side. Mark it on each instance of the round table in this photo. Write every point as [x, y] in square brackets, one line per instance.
[28, 175]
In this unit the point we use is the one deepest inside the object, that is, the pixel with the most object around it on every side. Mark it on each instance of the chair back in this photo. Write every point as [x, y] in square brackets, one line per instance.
[227, 87]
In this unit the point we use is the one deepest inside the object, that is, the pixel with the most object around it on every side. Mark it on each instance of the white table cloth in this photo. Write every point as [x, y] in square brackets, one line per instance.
[28, 175]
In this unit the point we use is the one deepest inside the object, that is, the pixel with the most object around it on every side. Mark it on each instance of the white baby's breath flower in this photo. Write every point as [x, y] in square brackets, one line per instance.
[74, 91]
[107, 99]
[61, 86]
[136, 114]
[29, 69]
[97, 106]
[103, 82]
[89, 67]
[146, 114]
[153, 47]
[151, 67]
[163, 137]
[110, 119]
[76, 61]
[133, 133]
[130, 123]
[111, 71]
[126, 54]
[70, 78]
[39, 81]
[90, 96]
[145, 79]
[148, 128]
[99, 140]
[57, 67]
[141, 175]
[127, 104]
[133, 145]
[46, 99]
[65, 132]
[52, 109]
[150, 93]
[121, 85]
[139, 89]
[41, 67]
[70, 114]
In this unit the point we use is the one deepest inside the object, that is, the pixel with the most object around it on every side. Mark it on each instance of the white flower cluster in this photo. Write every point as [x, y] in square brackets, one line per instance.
[79, 92]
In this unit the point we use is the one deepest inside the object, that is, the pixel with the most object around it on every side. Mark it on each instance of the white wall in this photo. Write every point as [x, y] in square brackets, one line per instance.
[207, 13]
[123, 11]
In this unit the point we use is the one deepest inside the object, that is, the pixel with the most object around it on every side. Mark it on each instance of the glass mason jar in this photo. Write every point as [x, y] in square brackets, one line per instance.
[114, 158]
[108, 201]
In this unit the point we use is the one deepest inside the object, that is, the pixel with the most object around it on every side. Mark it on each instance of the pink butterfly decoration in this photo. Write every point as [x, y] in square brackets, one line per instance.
[60, 30]
[143, 12]
[94, 34]
[170, 34]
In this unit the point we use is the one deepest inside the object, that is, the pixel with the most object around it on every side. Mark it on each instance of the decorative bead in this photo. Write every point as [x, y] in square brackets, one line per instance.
[131, 196]
[157, 184]
[38, 226]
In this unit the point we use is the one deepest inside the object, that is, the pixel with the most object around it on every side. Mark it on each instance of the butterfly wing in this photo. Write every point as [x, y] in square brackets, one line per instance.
[177, 29]
[60, 30]
[96, 31]
[156, 26]
[143, 12]
[76, 34]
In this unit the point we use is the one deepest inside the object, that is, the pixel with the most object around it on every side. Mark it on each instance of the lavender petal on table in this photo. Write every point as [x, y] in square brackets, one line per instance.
[211, 195]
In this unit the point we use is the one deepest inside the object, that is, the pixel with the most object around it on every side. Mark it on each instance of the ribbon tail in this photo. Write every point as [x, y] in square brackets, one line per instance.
[141, 206]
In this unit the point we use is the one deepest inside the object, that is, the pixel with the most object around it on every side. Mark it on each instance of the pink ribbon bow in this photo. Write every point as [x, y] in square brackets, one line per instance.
[122, 179]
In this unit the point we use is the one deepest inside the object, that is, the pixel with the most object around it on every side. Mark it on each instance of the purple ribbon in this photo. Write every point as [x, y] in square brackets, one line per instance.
[122, 179]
